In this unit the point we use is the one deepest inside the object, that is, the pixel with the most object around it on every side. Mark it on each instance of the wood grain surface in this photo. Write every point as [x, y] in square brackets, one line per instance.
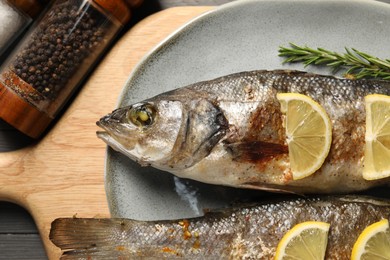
[62, 174]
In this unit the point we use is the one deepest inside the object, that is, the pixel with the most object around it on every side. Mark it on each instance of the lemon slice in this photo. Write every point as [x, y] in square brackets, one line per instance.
[373, 242]
[307, 240]
[309, 133]
[377, 149]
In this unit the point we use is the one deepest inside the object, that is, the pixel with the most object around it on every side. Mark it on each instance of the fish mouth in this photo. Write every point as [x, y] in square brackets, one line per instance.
[114, 144]
[103, 123]
[110, 141]
[105, 136]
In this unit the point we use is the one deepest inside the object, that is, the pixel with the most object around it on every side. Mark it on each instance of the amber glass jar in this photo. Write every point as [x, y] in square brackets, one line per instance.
[54, 57]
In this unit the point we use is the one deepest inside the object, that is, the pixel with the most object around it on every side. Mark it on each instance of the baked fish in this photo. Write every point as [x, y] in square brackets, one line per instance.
[249, 232]
[229, 131]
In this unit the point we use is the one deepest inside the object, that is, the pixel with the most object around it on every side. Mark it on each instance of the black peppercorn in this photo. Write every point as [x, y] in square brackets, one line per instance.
[31, 69]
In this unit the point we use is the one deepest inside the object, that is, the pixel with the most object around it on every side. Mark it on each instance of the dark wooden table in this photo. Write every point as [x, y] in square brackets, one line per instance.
[19, 238]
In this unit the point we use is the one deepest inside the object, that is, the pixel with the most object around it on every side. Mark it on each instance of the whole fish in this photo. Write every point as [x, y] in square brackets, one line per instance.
[249, 232]
[229, 131]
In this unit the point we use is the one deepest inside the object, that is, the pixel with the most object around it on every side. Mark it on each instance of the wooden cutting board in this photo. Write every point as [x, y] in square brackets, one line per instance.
[63, 174]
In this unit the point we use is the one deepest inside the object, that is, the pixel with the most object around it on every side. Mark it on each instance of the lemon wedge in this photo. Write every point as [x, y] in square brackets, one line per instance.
[373, 242]
[377, 149]
[309, 133]
[307, 240]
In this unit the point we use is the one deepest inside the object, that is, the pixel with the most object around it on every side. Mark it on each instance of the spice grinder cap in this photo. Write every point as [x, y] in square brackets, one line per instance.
[134, 3]
[116, 8]
[30, 7]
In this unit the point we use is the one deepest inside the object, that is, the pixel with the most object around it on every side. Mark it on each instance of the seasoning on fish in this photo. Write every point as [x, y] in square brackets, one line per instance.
[248, 232]
[229, 131]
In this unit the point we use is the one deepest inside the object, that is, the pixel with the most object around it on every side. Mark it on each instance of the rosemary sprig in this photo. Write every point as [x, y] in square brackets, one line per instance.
[356, 63]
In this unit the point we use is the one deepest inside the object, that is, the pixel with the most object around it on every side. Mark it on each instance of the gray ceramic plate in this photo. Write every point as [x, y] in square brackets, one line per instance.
[243, 35]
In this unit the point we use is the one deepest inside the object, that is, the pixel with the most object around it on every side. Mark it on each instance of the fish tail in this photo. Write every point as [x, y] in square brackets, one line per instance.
[80, 238]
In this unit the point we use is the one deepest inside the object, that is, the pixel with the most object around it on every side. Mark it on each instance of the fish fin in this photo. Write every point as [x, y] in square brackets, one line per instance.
[255, 151]
[80, 238]
[203, 127]
[261, 186]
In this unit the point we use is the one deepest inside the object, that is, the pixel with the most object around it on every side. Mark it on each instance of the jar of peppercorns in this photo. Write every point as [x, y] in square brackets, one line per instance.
[16, 16]
[53, 59]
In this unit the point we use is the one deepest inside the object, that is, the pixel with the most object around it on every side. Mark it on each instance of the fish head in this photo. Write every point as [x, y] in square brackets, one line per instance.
[171, 131]
[145, 132]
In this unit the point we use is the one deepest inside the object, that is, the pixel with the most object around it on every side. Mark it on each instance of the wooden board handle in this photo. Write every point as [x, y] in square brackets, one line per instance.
[63, 174]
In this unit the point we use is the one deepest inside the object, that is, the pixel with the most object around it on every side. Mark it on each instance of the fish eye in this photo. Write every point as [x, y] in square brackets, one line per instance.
[142, 115]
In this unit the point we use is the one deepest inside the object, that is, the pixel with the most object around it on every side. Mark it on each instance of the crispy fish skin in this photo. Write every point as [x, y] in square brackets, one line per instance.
[251, 232]
[229, 131]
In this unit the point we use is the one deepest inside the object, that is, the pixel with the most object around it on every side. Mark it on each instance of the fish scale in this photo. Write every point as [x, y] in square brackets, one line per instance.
[229, 131]
[246, 232]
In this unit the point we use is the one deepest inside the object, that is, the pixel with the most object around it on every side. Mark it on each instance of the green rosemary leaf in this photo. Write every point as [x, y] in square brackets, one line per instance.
[310, 61]
[357, 64]
[335, 64]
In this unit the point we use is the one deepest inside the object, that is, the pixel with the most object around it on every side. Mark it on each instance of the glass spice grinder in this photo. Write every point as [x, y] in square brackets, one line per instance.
[54, 57]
